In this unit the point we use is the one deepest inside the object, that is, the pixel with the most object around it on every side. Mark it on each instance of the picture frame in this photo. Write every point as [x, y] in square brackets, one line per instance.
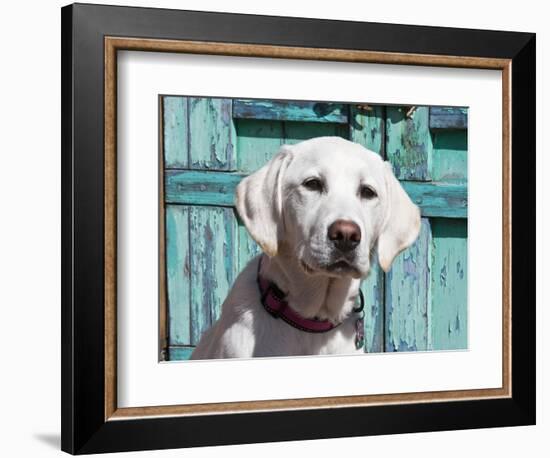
[92, 35]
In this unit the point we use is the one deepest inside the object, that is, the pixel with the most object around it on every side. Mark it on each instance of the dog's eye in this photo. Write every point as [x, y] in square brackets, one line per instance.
[313, 184]
[367, 192]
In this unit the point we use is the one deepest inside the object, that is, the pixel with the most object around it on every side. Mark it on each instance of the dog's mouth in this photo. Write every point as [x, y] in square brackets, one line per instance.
[343, 268]
[339, 268]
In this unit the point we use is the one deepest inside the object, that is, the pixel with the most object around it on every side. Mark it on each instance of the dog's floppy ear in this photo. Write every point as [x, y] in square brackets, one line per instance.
[401, 224]
[259, 202]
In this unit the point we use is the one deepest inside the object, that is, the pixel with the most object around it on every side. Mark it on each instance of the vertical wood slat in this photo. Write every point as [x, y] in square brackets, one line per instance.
[373, 292]
[409, 143]
[212, 233]
[407, 294]
[448, 305]
[175, 135]
[367, 127]
[178, 274]
[211, 134]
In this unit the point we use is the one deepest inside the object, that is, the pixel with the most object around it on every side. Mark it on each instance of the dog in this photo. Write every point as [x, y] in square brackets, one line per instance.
[319, 210]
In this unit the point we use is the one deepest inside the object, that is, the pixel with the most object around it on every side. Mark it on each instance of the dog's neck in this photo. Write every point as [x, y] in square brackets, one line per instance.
[312, 296]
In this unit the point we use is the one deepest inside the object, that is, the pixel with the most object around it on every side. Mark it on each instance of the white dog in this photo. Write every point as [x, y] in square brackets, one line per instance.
[318, 210]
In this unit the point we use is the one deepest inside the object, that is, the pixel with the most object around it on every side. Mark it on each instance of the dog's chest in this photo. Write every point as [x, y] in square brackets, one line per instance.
[280, 339]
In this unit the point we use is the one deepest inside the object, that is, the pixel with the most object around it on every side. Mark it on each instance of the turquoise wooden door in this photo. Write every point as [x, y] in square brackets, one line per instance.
[210, 144]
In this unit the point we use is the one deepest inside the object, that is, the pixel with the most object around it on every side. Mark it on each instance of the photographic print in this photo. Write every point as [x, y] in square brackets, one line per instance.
[303, 228]
[337, 209]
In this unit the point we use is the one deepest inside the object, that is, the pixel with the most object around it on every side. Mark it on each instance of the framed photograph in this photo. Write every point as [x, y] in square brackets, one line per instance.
[271, 221]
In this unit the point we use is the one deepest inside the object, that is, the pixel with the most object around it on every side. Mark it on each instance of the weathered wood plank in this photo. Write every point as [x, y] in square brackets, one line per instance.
[211, 134]
[175, 132]
[201, 187]
[257, 143]
[449, 298]
[283, 110]
[450, 156]
[373, 292]
[448, 200]
[296, 132]
[176, 353]
[247, 247]
[178, 274]
[213, 264]
[209, 188]
[408, 142]
[367, 127]
[448, 118]
[407, 296]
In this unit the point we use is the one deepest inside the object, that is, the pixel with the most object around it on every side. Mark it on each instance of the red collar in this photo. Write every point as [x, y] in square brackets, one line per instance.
[273, 300]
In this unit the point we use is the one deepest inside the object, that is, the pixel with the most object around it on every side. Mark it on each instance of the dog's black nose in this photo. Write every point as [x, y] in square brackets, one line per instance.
[345, 235]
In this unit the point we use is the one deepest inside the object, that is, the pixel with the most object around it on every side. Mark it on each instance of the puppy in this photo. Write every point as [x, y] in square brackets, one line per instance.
[319, 210]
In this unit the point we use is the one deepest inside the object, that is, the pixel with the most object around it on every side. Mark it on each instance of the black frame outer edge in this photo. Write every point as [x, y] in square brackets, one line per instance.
[67, 413]
[524, 229]
[83, 427]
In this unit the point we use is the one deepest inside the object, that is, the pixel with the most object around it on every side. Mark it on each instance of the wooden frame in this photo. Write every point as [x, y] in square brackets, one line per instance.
[91, 421]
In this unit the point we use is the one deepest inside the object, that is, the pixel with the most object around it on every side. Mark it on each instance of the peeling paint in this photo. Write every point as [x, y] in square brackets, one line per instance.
[406, 296]
[226, 112]
[459, 270]
[373, 133]
[409, 143]
[210, 134]
[443, 274]
[276, 110]
[409, 266]
[211, 230]
[368, 128]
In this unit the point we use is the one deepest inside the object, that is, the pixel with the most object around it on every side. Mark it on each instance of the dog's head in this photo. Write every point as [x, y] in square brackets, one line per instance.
[329, 202]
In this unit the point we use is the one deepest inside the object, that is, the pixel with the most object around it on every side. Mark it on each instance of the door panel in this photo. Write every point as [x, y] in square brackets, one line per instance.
[408, 294]
[209, 145]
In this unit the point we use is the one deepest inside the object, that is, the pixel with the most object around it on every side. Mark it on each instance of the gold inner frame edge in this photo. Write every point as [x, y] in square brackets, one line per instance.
[111, 46]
